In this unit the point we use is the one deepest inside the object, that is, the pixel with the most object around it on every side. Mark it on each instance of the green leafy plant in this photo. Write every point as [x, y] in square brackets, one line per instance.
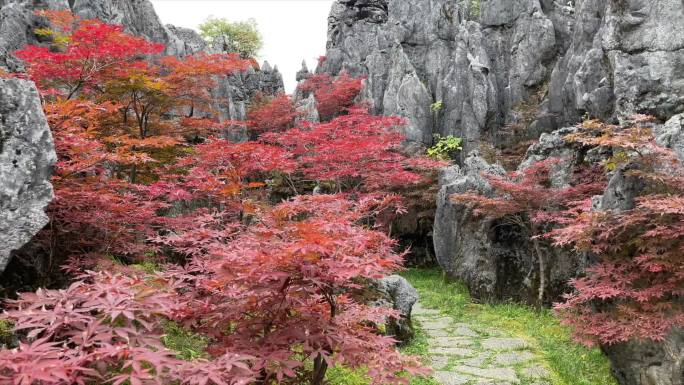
[437, 106]
[6, 333]
[241, 37]
[445, 148]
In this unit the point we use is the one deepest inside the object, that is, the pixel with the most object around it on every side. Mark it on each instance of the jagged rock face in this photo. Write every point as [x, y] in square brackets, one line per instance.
[234, 92]
[397, 293]
[671, 135]
[307, 111]
[137, 16]
[625, 57]
[17, 23]
[493, 258]
[498, 263]
[649, 363]
[536, 64]
[26, 158]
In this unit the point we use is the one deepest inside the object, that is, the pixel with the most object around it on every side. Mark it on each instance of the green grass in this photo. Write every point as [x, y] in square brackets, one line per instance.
[417, 347]
[187, 345]
[572, 364]
[6, 333]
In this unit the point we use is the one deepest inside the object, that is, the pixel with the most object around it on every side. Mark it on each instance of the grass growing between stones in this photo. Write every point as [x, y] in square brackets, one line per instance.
[570, 363]
[339, 375]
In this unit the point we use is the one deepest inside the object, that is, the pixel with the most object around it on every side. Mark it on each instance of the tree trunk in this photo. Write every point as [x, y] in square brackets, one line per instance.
[320, 369]
[542, 266]
[134, 173]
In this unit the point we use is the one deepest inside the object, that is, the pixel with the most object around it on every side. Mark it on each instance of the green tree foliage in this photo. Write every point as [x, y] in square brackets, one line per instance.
[241, 37]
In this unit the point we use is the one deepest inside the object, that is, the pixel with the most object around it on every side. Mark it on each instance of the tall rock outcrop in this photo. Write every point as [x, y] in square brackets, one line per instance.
[27, 155]
[528, 65]
[495, 258]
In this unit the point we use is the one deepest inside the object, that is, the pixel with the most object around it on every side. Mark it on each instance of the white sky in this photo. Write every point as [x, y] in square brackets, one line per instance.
[293, 30]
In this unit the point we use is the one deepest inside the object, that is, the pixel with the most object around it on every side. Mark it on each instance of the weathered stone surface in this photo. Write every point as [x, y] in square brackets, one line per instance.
[671, 135]
[451, 351]
[437, 323]
[451, 378]
[234, 92]
[512, 358]
[439, 362]
[558, 60]
[420, 311]
[494, 258]
[451, 341]
[649, 363]
[188, 41]
[26, 158]
[536, 372]
[402, 296]
[137, 16]
[462, 243]
[504, 343]
[307, 110]
[504, 374]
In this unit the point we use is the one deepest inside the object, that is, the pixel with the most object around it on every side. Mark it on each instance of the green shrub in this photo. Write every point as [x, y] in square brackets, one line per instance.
[242, 37]
[437, 106]
[445, 148]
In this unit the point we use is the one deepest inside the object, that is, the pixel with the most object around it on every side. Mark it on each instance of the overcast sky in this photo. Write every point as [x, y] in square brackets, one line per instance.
[293, 30]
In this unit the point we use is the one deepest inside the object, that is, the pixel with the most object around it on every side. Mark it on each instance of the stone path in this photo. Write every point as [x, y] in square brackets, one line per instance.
[462, 354]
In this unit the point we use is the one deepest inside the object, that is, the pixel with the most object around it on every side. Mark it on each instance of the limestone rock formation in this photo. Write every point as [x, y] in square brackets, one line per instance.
[26, 158]
[649, 363]
[400, 295]
[671, 135]
[497, 262]
[529, 65]
[307, 111]
[493, 258]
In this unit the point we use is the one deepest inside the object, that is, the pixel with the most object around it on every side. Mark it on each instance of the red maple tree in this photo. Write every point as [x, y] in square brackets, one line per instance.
[634, 291]
[333, 94]
[271, 284]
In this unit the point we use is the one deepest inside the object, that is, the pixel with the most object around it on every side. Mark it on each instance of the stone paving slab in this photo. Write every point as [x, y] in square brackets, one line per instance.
[419, 311]
[465, 331]
[451, 341]
[439, 362]
[437, 323]
[504, 374]
[512, 358]
[479, 360]
[464, 355]
[452, 351]
[450, 378]
[497, 343]
[437, 333]
[536, 372]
